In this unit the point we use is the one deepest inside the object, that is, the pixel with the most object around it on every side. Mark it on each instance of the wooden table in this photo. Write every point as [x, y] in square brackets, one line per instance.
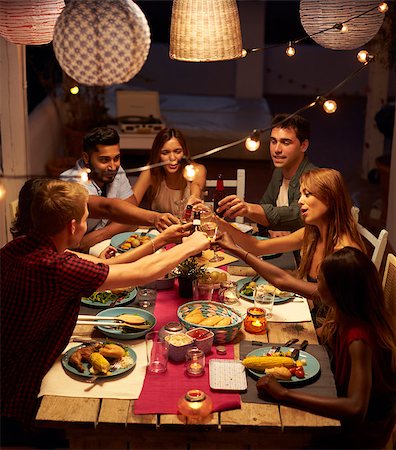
[110, 424]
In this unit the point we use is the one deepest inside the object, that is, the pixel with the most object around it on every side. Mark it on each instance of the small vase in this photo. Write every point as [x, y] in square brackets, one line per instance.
[185, 287]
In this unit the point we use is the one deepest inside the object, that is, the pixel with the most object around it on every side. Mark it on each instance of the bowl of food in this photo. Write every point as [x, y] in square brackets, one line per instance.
[178, 346]
[203, 338]
[143, 322]
[214, 276]
[222, 320]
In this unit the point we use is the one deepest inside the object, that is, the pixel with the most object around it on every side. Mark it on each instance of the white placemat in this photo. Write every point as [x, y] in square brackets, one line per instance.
[58, 382]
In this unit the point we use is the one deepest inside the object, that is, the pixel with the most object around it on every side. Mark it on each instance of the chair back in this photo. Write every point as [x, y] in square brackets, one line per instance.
[238, 183]
[389, 284]
[379, 244]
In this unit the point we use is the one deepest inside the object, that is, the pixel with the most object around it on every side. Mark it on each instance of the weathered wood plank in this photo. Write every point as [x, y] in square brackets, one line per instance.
[114, 411]
[68, 409]
[293, 417]
[252, 414]
[282, 332]
[147, 419]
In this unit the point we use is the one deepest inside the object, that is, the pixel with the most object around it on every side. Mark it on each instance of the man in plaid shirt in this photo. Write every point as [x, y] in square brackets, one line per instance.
[41, 287]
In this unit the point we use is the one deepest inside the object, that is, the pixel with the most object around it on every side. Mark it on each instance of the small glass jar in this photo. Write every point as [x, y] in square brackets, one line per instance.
[195, 362]
[195, 404]
[145, 297]
[228, 292]
[255, 321]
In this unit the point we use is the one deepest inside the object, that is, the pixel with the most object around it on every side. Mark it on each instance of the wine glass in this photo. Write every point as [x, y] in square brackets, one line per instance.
[209, 226]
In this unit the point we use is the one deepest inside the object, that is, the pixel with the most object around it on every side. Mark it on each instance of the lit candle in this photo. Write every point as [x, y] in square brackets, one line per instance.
[195, 362]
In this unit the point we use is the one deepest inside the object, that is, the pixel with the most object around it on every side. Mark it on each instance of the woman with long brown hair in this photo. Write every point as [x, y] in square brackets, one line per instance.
[165, 186]
[361, 335]
[325, 207]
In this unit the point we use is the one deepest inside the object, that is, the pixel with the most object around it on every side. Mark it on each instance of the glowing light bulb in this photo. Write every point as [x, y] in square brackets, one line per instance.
[189, 172]
[84, 175]
[74, 90]
[330, 106]
[244, 53]
[344, 28]
[383, 7]
[252, 144]
[290, 51]
[2, 191]
[364, 56]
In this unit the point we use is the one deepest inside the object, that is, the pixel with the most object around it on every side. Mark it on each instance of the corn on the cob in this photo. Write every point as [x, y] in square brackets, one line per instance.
[260, 363]
[99, 363]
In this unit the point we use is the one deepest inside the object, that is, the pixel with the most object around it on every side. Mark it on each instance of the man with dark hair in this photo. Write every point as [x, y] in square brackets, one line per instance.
[107, 179]
[278, 208]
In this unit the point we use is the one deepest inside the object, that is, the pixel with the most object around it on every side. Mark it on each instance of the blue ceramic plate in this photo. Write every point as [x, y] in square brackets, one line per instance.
[118, 239]
[86, 373]
[118, 333]
[260, 281]
[122, 300]
[311, 369]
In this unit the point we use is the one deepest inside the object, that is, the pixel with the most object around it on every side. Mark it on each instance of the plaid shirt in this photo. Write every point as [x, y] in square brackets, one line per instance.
[40, 291]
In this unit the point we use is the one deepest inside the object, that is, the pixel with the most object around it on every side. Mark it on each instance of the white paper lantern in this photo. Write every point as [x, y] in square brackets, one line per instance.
[318, 15]
[29, 22]
[101, 42]
[205, 30]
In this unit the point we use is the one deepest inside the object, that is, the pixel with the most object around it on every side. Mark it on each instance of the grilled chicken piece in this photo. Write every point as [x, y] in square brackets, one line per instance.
[82, 355]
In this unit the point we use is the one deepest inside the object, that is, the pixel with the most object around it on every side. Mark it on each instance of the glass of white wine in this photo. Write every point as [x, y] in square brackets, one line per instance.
[209, 226]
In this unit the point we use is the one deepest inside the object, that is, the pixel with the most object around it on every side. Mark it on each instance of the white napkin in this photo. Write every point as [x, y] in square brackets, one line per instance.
[128, 386]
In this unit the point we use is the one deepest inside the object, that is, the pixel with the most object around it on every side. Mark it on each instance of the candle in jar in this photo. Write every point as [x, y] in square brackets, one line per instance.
[195, 367]
[195, 362]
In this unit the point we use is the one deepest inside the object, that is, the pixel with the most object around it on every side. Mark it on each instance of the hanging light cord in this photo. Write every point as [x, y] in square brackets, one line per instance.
[226, 146]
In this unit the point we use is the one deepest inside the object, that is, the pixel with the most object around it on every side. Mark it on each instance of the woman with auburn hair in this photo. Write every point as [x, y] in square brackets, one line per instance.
[361, 334]
[325, 207]
[164, 186]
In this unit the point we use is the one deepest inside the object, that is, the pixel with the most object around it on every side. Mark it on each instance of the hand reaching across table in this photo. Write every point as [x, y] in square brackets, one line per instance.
[232, 206]
[165, 220]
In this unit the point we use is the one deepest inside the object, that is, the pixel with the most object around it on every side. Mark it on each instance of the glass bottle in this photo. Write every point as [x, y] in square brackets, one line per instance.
[219, 193]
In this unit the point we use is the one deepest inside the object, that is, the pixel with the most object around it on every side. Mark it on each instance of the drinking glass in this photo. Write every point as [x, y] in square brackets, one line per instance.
[202, 291]
[145, 297]
[157, 352]
[264, 300]
[209, 226]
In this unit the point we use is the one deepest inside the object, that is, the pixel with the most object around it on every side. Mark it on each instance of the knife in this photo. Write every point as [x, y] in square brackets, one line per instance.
[296, 352]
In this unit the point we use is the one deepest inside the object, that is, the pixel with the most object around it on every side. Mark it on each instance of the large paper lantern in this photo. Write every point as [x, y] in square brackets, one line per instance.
[319, 15]
[205, 30]
[101, 42]
[29, 22]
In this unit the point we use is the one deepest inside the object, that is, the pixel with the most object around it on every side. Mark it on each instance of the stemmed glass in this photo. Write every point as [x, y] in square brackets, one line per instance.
[209, 226]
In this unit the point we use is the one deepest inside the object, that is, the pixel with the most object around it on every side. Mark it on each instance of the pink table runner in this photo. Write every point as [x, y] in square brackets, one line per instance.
[161, 392]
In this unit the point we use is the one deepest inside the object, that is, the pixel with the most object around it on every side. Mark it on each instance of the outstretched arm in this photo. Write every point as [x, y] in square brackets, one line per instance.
[276, 276]
[124, 212]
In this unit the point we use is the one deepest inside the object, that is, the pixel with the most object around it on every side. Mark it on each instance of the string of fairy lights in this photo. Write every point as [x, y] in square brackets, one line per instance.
[253, 140]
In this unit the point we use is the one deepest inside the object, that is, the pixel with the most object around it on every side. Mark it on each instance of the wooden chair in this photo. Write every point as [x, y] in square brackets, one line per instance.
[238, 183]
[389, 283]
[379, 244]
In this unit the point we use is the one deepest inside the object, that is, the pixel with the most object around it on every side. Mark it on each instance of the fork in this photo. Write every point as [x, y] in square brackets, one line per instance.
[116, 365]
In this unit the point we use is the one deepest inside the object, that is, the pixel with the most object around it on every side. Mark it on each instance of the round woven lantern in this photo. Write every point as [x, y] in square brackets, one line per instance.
[319, 15]
[205, 30]
[101, 42]
[29, 22]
